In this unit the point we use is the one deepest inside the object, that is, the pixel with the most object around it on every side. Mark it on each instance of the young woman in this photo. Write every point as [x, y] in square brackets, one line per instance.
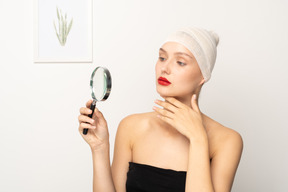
[176, 147]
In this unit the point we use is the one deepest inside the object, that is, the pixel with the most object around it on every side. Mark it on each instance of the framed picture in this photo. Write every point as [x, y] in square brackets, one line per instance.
[63, 31]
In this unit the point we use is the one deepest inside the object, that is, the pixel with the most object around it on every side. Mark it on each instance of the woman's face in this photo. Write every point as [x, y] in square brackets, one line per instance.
[177, 72]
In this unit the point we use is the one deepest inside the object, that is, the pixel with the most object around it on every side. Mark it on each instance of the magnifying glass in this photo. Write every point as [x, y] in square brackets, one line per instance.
[100, 84]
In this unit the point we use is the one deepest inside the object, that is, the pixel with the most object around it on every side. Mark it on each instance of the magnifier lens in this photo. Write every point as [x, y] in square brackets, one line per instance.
[99, 84]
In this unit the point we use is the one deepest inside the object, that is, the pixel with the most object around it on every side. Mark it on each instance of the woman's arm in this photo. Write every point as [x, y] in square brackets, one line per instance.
[98, 140]
[225, 161]
[198, 172]
[102, 176]
[123, 152]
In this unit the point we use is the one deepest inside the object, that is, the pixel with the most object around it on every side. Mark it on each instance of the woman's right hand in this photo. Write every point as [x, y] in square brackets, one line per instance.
[98, 135]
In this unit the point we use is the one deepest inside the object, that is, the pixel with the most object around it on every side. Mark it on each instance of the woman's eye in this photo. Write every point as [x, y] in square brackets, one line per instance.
[181, 63]
[161, 58]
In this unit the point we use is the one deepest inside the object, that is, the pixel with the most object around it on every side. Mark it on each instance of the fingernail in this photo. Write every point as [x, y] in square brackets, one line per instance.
[92, 121]
[154, 108]
[156, 101]
[194, 96]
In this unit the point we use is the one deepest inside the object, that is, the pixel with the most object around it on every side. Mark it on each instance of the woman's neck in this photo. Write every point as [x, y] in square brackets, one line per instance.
[187, 100]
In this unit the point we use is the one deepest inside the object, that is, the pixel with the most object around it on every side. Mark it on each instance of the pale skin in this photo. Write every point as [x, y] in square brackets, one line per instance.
[176, 135]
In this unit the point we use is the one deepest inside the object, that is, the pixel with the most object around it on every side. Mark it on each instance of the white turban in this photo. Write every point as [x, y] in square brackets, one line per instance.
[201, 43]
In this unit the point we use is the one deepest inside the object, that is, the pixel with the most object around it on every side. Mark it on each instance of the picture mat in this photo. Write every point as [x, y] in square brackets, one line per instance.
[78, 47]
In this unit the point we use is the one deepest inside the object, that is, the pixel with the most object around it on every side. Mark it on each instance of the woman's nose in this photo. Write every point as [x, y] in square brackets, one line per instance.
[166, 67]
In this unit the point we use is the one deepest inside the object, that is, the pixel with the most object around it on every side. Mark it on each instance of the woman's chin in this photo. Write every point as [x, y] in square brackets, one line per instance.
[164, 94]
[176, 95]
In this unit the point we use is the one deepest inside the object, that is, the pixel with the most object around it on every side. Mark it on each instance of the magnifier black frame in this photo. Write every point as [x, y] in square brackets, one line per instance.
[106, 95]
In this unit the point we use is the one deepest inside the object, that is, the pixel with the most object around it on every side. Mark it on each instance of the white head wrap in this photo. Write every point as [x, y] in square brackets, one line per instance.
[201, 43]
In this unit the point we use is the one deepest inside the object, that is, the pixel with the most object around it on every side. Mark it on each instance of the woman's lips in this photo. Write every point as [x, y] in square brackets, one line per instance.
[163, 81]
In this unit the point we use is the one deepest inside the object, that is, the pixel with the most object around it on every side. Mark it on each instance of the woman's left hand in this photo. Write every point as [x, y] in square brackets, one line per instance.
[186, 120]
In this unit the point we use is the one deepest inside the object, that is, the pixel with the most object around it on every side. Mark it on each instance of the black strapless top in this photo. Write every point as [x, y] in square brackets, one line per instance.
[147, 178]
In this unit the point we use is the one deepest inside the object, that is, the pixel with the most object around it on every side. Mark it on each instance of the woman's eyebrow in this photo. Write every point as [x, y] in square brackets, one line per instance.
[181, 53]
[177, 53]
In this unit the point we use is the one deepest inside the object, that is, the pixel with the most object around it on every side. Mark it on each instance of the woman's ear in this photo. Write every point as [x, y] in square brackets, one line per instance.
[202, 81]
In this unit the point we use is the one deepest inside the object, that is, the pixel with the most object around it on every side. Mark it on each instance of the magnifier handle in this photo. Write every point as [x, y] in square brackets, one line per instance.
[92, 107]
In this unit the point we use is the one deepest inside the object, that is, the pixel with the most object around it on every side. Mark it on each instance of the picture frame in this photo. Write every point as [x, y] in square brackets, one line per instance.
[63, 31]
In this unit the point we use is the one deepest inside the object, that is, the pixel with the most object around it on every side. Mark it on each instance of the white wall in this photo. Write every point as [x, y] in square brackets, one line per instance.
[40, 147]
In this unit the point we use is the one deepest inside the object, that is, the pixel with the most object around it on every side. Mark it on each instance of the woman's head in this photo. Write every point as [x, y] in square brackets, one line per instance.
[186, 60]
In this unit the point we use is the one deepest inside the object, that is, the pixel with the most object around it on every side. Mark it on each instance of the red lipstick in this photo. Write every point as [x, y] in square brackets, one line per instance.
[163, 81]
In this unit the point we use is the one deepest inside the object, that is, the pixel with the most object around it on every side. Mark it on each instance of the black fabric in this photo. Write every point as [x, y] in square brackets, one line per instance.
[146, 178]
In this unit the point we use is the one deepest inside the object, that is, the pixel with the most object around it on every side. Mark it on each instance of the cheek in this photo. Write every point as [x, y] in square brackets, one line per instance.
[191, 79]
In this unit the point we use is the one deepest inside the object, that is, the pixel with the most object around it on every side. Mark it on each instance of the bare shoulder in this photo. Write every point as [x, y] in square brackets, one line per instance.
[136, 124]
[228, 134]
[230, 140]
[222, 136]
[137, 119]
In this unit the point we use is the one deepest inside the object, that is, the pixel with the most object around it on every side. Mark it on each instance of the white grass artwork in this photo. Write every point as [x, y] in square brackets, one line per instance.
[63, 27]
